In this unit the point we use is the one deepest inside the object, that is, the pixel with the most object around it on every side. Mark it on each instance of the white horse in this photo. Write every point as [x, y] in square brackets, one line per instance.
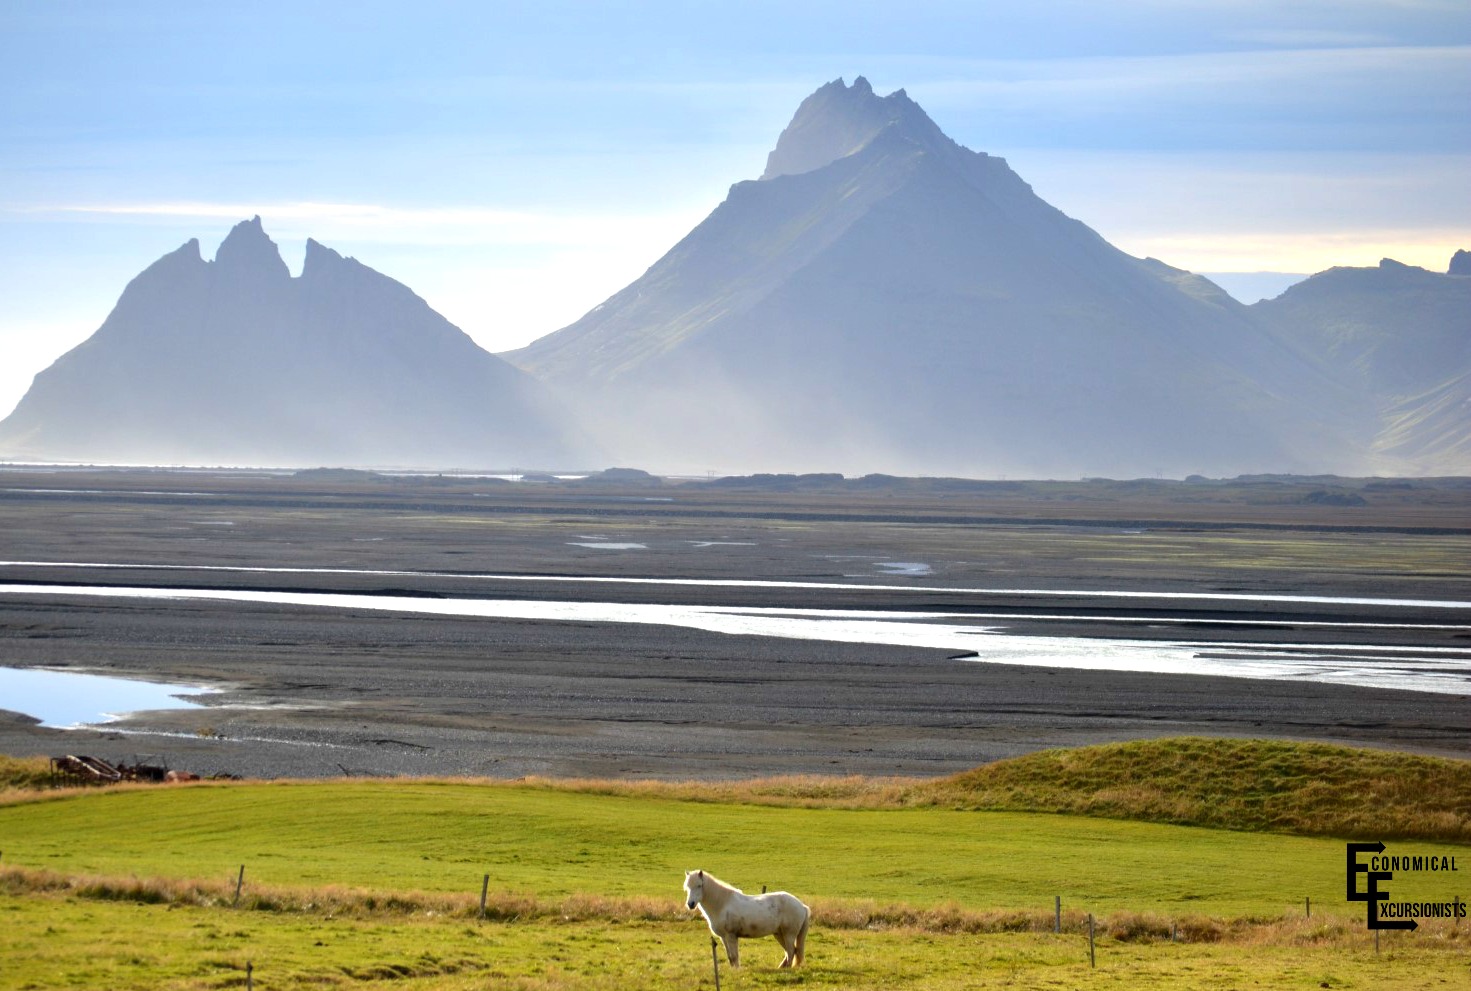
[731, 914]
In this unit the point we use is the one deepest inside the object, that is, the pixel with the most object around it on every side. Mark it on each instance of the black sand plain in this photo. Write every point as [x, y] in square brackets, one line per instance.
[310, 692]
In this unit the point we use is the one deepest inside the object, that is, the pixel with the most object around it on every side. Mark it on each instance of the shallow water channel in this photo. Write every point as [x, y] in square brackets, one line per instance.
[1413, 668]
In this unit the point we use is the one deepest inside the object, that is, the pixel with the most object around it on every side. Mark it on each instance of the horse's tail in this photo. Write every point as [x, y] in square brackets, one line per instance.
[802, 934]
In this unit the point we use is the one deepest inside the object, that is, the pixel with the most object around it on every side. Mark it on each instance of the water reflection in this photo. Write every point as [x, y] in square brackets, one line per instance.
[67, 699]
[1425, 669]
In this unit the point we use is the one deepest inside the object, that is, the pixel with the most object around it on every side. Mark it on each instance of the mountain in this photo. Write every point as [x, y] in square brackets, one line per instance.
[234, 361]
[1400, 336]
[883, 298]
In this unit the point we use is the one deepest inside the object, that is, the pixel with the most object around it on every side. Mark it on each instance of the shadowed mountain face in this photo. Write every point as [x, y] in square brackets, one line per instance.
[885, 299]
[234, 361]
[1401, 337]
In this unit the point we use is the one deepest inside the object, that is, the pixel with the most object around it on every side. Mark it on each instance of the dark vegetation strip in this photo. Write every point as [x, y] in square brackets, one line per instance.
[514, 907]
[581, 508]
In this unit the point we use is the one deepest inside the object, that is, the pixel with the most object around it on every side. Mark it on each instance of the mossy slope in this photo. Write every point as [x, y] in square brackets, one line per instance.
[1310, 789]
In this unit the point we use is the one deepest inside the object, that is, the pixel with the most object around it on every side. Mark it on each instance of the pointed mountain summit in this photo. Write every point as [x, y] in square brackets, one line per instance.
[248, 252]
[884, 299]
[233, 361]
[838, 120]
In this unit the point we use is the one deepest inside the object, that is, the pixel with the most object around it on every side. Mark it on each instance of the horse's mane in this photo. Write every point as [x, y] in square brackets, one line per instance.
[711, 879]
[722, 884]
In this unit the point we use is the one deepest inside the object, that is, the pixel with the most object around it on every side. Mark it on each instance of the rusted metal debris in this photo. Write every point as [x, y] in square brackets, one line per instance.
[81, 769]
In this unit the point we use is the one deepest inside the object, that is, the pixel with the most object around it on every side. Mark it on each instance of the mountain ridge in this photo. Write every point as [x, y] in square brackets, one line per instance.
[880, 299]
[1400, 336]
[837, 120]
[915, 267]
[235, 360]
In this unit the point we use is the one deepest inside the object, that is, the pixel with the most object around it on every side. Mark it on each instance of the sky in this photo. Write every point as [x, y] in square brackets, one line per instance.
[517, 163]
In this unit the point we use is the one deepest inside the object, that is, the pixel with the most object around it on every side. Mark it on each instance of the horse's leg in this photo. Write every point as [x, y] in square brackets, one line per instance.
[784, 937]
[732, 949]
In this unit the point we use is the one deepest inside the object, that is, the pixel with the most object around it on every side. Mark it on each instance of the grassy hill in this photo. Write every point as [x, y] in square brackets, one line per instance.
[1310, 789]
[1307, 789]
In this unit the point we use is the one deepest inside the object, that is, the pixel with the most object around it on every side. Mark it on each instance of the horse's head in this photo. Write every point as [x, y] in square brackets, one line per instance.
[694, 888]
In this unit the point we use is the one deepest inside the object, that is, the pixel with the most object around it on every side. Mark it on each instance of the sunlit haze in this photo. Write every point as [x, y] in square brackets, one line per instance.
[516, 166]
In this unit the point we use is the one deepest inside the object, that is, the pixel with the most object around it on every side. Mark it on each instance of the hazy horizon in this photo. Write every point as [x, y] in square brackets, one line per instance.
[516, 167]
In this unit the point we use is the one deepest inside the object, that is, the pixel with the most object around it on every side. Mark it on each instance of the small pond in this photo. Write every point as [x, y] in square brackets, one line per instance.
[67, 699]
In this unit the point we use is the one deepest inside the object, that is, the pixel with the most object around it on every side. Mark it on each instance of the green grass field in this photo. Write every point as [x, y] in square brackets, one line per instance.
[351, 883]
[444, 837]
[50, 942]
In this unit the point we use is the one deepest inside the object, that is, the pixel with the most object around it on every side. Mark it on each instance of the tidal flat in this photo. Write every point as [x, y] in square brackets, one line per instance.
[1235, 570]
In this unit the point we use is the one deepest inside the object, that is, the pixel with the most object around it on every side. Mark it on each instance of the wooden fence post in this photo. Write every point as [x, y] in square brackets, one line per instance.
[240, 880]
[1057, 913]
[715, 962]
[1307, 907]
[1092, 960]
[249, 976]
[484, 887]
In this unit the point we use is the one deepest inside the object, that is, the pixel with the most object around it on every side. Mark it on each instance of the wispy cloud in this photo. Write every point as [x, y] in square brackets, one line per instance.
[402, 225]
[1107, 77]
[1311, 38]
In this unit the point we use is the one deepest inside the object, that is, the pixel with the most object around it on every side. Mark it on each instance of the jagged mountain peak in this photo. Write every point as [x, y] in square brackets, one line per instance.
[248, 248]
[1460, 263]
[838, 120]
[234, 362]
[187, 254]
[886, 299]
[319, 258]
[246, 235]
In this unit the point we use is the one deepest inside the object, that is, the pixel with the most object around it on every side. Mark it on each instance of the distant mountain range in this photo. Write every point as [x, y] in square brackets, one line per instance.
[881, 299]
[235, 362]
[1400, 337]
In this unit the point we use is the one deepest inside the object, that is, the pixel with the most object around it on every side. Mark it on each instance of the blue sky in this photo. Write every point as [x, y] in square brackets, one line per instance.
[515, 164]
